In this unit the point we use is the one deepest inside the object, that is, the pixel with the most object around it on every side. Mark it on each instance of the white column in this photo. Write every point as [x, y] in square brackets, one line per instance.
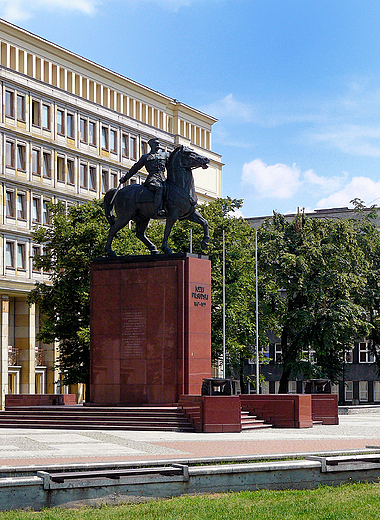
[4, 348]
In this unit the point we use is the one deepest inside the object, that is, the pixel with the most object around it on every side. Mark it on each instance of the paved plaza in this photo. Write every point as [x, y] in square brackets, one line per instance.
[20, 447]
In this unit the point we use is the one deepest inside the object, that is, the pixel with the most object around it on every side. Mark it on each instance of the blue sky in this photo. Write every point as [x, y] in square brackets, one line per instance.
[295, 84]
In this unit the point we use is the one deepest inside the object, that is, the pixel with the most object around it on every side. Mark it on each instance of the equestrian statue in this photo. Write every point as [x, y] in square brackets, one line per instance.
[173, 198]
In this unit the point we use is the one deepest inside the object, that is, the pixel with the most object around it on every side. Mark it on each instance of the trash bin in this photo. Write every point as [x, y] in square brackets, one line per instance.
[318, 386]
[220, 386]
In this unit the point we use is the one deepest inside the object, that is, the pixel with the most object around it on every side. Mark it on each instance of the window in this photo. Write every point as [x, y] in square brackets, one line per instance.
[60, 122]
[45, 213]
[104, 138]
[124, 145]
[21, 154]
[133, 147]
[10, 205]
[61, 169]
[277, 353]
[83, 176]
[70, 171]
[265, 351]
[46, 116]
[70, 125]
[36, 113]
[10, 154]
[292, 387]
[20, 256]
[20, 206]
[376, 390]
[36, 167]
[113, 180]
[36, 209]
[309, 355]
[113, 141]
[104, 181]
[144, 147]
[92, 133]
[9, 254]
[36, 251]
[9, 103]
[83, 130]
[365, 354]
[93, 183]
[20, 107]
[47, 165]
[349, 391]
[363, 391]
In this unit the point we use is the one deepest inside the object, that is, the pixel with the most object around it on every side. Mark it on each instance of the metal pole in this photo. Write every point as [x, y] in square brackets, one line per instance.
[257, 323]
[191, 240]
[224, 306]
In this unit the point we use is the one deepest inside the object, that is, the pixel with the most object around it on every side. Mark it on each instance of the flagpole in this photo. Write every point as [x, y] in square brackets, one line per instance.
[257, 322]
[224, 306]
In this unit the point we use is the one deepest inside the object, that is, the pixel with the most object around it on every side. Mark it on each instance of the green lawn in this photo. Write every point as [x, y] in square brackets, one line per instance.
[350, 501]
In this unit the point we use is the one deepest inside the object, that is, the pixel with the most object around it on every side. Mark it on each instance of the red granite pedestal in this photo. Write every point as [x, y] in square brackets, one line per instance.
[150, 328]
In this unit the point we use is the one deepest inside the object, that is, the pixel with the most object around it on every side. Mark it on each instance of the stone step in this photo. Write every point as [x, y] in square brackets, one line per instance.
[86, 426]
[251, 422]
[97, 418]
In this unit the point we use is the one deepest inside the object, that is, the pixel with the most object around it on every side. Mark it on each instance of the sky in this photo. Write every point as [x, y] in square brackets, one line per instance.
[295, 84]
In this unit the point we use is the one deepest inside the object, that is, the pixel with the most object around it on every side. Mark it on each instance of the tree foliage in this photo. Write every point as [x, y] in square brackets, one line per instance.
[76, 238]
[319, 284]
[320, 269]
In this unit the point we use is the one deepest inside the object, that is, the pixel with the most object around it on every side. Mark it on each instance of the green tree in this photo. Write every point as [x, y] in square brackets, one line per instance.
[76, 238]
[69, 246]
[320, 271]
[369, 238]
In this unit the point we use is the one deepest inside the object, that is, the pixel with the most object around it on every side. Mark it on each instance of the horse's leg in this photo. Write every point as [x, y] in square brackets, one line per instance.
[198, 219]
[141, 226]
[170, 221]
[119, 224]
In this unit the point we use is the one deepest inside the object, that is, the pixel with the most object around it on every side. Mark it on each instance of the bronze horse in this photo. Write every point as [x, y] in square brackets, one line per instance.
[136, 202]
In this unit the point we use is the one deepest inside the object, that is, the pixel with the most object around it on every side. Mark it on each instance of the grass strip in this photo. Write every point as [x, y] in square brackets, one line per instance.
[348, 501]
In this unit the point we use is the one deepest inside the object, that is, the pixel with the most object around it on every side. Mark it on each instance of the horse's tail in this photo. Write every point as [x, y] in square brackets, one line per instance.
[108, 206]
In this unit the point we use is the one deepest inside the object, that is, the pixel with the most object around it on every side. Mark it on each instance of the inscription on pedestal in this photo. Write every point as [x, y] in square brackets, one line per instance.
[133, 333]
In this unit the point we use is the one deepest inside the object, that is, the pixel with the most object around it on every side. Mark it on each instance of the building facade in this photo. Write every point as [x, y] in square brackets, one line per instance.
[69, 129]
[360, 382]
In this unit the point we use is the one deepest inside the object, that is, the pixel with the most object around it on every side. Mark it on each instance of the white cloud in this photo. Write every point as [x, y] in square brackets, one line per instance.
[276, 181]
[363, 188]
[231, 109]
[325, 184]
[353, 139]
[20, 10]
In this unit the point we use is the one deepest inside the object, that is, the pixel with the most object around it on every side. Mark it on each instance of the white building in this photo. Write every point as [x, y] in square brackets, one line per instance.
[69, 128]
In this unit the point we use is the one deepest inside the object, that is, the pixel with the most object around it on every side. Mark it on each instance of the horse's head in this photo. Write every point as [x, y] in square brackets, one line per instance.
[183, 157]
[192, 160]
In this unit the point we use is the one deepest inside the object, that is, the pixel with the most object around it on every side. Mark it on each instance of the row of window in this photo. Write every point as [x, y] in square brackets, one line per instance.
[16, 206]
[364, 394]
[67, 123]
[90, 176]
[364, 349]
[17, 254]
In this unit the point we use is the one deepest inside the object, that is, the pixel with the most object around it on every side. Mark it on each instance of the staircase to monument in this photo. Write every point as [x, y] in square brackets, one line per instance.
[78, 417]
[251, 422]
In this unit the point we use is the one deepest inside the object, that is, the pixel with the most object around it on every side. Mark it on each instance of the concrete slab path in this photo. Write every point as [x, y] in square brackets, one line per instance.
[19, 447]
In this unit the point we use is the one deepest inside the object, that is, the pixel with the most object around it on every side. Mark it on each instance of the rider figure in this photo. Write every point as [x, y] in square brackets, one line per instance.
[155, 162]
